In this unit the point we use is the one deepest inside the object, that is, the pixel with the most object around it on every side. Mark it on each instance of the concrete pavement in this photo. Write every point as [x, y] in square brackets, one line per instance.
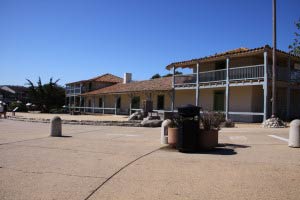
[129, 163]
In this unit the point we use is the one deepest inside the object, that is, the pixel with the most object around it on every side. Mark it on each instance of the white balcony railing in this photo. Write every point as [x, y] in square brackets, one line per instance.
[235, 73]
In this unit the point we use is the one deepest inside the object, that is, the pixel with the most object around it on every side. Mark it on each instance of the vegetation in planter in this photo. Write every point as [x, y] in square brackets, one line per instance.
[228, 124]
[175, 121]
[210, 120]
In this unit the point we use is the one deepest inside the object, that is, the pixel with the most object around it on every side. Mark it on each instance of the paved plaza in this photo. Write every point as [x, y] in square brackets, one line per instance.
[94, 162]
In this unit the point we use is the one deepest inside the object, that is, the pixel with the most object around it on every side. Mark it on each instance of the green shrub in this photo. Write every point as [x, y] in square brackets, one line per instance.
[13, 105]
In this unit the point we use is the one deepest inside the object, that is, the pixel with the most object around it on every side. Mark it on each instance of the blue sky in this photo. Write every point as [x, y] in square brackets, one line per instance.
[79, 39]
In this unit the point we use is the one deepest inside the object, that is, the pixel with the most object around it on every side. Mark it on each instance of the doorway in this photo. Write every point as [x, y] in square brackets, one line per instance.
[219, 100]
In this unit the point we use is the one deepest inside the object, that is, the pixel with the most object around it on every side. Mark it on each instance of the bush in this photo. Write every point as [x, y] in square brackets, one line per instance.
[13, 105]
[211, 120]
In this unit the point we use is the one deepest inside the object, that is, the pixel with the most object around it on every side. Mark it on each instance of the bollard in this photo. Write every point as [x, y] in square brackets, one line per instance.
[294, 133]
[164, 131]
[55, 127]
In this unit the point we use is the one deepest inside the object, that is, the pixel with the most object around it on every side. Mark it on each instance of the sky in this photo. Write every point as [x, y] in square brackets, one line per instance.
[74, 40]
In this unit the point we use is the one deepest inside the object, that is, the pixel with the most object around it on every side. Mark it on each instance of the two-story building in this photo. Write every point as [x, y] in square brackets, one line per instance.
[236, 82]
[74, 90]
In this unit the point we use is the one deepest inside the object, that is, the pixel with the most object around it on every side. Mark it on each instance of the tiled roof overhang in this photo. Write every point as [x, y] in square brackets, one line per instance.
[235, 53]
[159, 84]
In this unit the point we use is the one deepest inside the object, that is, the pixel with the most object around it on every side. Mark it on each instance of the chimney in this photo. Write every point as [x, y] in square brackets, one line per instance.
[127, 78]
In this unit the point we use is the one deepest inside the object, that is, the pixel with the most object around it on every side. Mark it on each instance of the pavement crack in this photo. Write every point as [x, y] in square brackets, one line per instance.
[23, 140]
[63, 149]
[117, 172]
[47, 172]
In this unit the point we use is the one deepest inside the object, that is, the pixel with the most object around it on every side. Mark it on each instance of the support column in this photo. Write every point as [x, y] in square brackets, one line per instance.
[94, 97]
[116, 98]
[69, 103]
[130, 104]
[103, 105]
[74, 97]
[173, 89]
[80, 98]
[265, 85]
[84, 105]
[288, 92]
[227, 90]
[197, 85]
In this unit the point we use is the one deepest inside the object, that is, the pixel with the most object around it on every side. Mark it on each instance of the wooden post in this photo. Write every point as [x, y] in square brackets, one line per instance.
[227, 90]
[197, 85]
[173, 89]
[265, 85]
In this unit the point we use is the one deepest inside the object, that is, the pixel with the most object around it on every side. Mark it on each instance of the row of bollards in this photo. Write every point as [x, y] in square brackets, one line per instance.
[294, 132]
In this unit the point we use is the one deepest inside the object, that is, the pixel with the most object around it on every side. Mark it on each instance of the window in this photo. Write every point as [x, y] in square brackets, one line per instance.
[90, 103]
[135, 102]
[90, 86]
[160, 102]
[100, 102]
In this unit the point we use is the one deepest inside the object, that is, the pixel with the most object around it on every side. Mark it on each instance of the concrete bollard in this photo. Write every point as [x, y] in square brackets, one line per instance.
[55, 127]
[164, 131]
[294, 133]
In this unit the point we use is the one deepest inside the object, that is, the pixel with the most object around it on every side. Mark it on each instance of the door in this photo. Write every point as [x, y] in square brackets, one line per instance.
[219, 100]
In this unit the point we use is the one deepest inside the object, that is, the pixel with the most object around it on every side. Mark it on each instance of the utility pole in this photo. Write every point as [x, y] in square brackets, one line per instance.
[274, 63]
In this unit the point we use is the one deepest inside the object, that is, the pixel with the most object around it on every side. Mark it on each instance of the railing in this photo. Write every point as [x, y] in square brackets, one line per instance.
[212, 76]
[248, 72]
[235, 73]
[295, 76]
[76, 90]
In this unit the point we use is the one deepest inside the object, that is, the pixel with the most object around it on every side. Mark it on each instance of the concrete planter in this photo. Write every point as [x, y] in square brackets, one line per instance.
[172, 136]
[208, 139]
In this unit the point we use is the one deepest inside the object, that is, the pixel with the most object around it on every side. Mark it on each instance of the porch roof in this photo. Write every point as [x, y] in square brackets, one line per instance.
[232, 53]
[158, 84]
[107, 78]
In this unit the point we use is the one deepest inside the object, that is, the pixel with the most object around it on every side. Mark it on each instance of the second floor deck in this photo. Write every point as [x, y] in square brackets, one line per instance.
[246, 75]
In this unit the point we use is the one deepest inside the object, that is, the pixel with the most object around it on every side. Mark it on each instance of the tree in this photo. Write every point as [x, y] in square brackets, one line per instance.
[295, 46]
[46, 96]
[167, 75]
[155, 76]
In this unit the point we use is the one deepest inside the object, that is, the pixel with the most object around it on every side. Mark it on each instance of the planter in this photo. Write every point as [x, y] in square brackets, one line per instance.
[172, 136]
[208, 139]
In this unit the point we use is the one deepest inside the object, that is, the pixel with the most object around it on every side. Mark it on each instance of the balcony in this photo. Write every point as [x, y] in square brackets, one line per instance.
[218, 77]
[72, 91]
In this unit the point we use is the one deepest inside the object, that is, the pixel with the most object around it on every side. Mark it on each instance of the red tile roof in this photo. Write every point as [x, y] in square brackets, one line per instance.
[159, 84]
[107, 78]
[233, 53]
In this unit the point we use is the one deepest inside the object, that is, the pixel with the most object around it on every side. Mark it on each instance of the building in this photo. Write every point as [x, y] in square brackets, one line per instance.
[12, 93]
[236, 82]
[74, 90]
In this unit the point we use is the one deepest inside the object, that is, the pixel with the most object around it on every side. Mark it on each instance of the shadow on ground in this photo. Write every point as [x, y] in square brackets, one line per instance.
[221, 149]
